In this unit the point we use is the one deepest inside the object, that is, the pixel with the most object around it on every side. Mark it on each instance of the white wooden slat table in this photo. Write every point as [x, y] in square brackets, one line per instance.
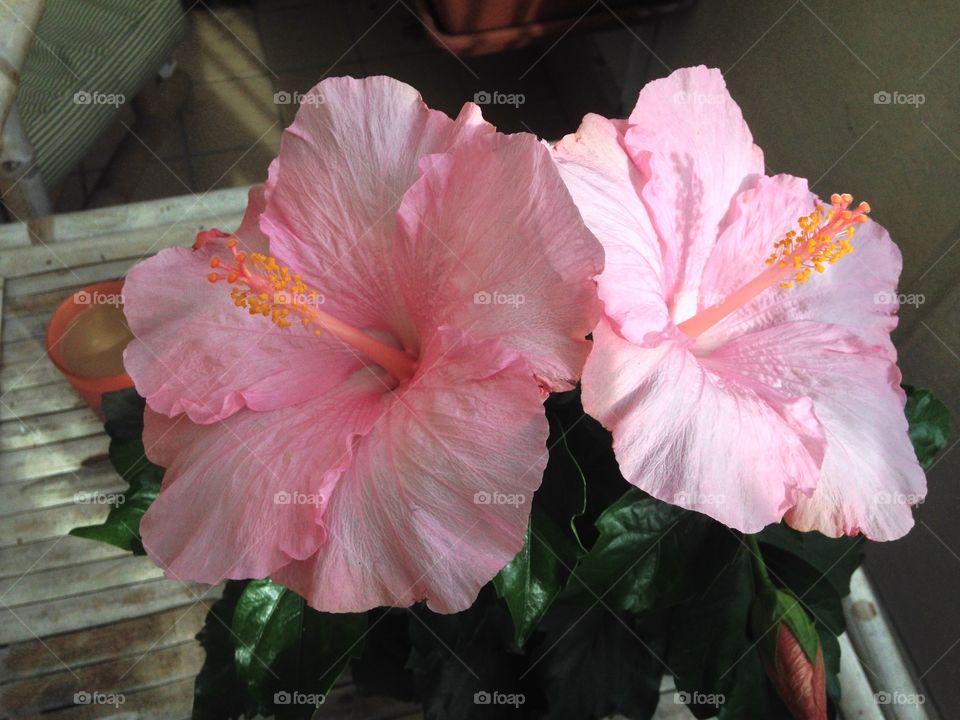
[76, 615]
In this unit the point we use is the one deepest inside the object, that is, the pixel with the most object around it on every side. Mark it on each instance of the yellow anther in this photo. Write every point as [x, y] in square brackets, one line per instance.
[251, 287]
[823, 239]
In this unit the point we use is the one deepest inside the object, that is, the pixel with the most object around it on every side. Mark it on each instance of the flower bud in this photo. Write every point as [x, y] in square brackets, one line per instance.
[790, 652]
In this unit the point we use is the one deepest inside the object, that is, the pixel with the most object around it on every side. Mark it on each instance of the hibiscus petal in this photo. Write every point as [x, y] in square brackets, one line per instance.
[870, 475]
[249, 234]
[492, 243]
[437, 500]
[735, 451]
[688, 136]
[195, 352]
[859, 292]
[333, 191]
[246, 495]
[605, 186]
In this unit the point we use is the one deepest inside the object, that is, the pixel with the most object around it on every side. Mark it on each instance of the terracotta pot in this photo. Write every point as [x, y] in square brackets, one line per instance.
[472, 28]
[85, 340]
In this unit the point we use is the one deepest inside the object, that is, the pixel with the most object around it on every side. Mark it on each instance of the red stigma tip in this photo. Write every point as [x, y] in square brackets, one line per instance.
[205, 236]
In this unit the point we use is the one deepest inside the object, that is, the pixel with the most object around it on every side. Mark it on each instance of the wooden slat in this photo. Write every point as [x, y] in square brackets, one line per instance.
[25, 351]
[59, 283]
[30, 322]
[95, 606]
[62, 551]
[98, 608]
[49, 522]
[46, 429]
[121, 676]
[100, 249]
[129, 638]
[61, 489]
[76, 579]
[23, 403]
[18, 375]
[27, 325]
[170, 701]
[218, 208]
[46, 302]
[53, 459]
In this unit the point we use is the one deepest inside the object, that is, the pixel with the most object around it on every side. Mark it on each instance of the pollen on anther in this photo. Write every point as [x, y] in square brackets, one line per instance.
[823, 239]
[264, 287]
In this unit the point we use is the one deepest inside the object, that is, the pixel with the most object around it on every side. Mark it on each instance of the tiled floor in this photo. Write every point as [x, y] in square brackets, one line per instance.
[242, 55]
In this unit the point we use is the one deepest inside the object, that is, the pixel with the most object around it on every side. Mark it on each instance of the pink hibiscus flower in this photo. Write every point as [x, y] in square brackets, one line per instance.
[733, 381]
[378, 443]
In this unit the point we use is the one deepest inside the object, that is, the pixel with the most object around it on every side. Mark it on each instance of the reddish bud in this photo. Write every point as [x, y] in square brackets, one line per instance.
[800, 683]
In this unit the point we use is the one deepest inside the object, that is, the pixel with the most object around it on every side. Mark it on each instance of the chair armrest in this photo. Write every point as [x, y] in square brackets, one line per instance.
[18, 25]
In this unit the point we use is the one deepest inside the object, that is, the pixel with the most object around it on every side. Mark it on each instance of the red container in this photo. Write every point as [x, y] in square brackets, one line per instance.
[468, 27]
[85, 340]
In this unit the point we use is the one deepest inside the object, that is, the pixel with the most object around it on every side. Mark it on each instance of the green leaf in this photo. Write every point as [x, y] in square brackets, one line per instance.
[816, 570]
[650, 555]
[285, 649]
[831, 662]
[929, 424]
[712, 655]
[461, 659]
[590, 452]
[599, 664]
[381, 670]
[834, 559]
[123, 412]
[535, 577]
[217, 690]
